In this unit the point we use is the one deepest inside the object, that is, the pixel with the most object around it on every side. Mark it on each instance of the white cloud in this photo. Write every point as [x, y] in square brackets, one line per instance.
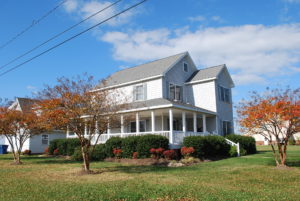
[292, 1]
[70, 5]
[84, 9]
[252, 52]
[201, 18]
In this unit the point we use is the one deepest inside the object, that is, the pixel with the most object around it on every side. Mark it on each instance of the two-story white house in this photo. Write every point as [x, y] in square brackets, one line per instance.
[171, 97]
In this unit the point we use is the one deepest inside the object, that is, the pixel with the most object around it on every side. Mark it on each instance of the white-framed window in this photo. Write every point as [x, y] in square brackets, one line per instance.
[142, 126]
[224, 94]
[139, 92]
[185, 67]
[226, 127]
[45, 139]
[175, 92]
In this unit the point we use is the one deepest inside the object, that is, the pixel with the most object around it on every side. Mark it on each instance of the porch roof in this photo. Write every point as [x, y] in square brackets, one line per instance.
[164, 103]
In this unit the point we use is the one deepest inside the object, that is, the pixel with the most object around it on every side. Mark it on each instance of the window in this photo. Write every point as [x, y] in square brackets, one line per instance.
[175, 92]
[138, 93]
[185, 67]
[224, 94]
[45, 139]
[226, 127]
[133, 126]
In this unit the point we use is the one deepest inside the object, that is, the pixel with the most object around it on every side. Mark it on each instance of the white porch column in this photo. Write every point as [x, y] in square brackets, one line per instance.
[85, 129]
[122, 123]
[137, 122]
[108, 128]
[171, 125]
[195, 121]
[184, 122]
[162, 122]
[204, 122]
[153, 121]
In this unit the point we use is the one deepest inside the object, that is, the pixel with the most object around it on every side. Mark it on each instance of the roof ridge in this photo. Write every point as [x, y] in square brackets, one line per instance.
[151, 62]
[212, 67]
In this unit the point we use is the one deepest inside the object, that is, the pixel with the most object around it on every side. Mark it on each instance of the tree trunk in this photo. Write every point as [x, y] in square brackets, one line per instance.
[275, 155]
[18, 158]
[86, 159]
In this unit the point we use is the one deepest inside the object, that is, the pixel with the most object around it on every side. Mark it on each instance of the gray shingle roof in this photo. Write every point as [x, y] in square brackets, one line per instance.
[163, 101]
[154, 68]
[26, 103]
[206, 73]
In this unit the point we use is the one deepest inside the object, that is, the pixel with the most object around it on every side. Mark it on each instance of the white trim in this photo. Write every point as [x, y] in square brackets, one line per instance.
[134, 92]
[200, 81]
[129, 83]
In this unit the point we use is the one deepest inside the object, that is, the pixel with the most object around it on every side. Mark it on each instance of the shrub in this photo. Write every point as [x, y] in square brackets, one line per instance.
[117, 152]
[97, 155]
[169, 154]
[129, 146]
[46, 151]
[246, 142]
[157, 153]
[111, 144]
[187, 151]
[66, 146]
[135, 155]
[233, 151]
[27, 152]
[207, 146]
[56, 152]
[146, 142]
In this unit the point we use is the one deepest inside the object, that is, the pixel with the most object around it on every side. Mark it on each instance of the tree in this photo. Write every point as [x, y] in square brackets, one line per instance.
[75, 105]
[275, 115]
[18, 127]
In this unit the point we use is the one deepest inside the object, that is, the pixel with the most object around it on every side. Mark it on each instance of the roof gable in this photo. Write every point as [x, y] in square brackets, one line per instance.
[152, 69]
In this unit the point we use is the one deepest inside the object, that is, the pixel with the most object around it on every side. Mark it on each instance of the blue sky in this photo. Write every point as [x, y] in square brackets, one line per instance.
[259, 40]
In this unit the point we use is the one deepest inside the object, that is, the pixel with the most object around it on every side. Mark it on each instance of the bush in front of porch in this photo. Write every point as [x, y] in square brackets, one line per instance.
[140, 144]
[208, 147]
[246, 142]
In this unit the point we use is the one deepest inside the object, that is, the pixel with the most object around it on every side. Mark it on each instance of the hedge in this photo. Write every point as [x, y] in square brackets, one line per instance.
[208, 146]
[146, 142]
[97, 155]
[141, 144]
[65, 147]
[247, 143]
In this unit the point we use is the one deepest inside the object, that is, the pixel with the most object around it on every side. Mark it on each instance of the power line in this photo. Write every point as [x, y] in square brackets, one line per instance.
[71, 38]
[59, 34]
[34, 22]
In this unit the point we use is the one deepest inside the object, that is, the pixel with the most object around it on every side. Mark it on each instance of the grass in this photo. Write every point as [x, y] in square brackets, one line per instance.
[252, 177]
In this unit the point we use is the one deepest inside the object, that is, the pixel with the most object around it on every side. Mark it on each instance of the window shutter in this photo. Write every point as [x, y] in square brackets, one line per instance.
[145, 91]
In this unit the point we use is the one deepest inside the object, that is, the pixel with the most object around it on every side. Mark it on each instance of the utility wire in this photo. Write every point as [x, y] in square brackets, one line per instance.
[71, 38]
[35, 22]
[59, 34]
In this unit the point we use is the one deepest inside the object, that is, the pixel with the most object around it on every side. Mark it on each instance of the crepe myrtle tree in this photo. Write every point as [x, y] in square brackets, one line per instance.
[77, 106]
[275, 115]
[18, 127]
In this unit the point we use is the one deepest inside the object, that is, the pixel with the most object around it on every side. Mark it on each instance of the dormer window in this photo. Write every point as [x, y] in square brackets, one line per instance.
[185, 67]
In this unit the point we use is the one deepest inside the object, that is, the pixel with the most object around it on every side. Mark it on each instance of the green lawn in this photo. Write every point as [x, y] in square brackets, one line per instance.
[246, 178]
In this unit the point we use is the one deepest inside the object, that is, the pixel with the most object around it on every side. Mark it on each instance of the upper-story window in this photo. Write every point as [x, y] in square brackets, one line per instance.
[185, 67]
[175, 92]
[139, 92]
[224, 94]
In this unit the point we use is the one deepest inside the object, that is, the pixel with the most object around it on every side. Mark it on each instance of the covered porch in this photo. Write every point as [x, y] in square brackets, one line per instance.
[172, 122]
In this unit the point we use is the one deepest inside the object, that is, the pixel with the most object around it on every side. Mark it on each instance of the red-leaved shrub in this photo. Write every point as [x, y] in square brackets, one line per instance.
[27, 152]
[117, 152]
[56, 152]
[135, 155]
[169, 154]
[187, 151]
[46, 151]
[157, 153]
